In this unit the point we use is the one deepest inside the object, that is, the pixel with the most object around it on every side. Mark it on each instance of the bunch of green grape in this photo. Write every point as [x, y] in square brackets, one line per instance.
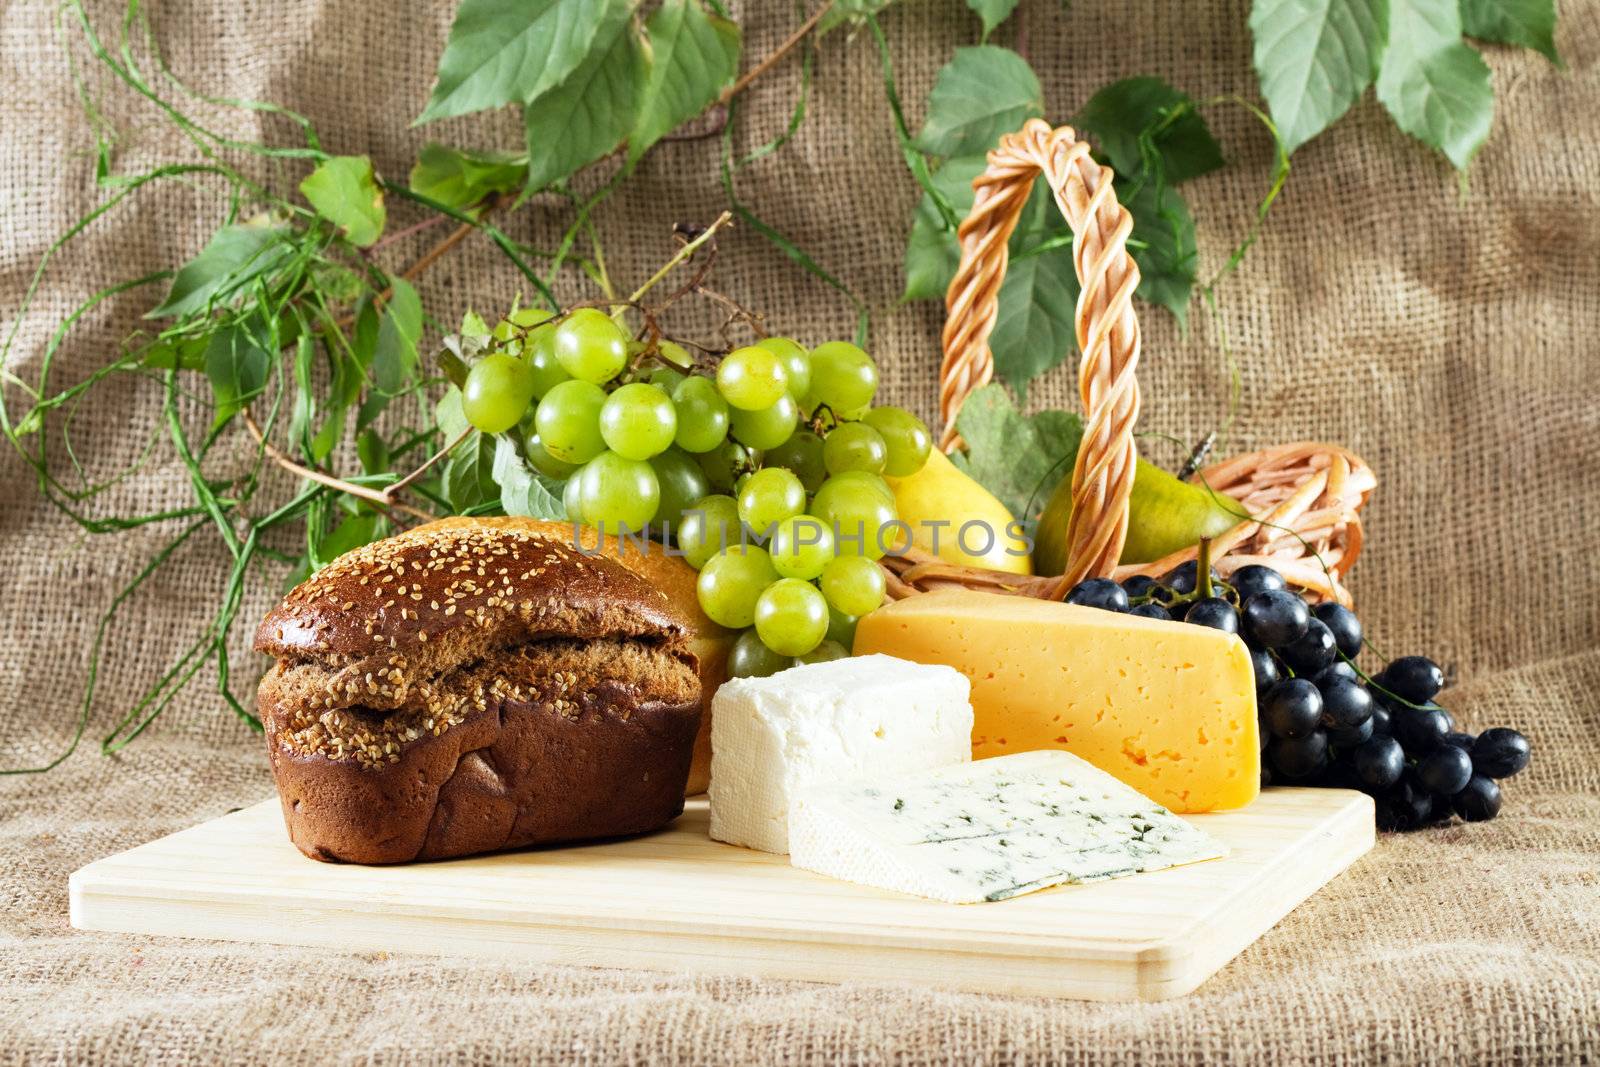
[769, 475]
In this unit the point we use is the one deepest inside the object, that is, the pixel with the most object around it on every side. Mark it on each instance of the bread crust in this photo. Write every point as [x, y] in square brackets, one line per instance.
[599, 757]
[709, 641]
[501, 581]
[500, 689]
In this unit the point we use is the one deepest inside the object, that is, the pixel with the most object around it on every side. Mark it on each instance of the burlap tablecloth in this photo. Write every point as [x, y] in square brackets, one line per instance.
[1450, 339]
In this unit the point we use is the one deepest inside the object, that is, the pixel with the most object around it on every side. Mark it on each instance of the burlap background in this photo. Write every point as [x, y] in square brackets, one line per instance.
[1450, 339]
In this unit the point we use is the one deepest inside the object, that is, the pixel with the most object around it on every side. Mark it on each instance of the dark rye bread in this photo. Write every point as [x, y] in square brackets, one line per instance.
[710, 643]
[469, 687]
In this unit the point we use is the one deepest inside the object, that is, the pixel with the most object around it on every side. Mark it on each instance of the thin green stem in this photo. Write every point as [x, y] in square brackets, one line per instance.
[56, 246]
[98, 645]
[793, 251]
[202, 489]
[170, 684]
[564, 247]
[916, 162]
[506, 245]
[797, 116]
[682, 254]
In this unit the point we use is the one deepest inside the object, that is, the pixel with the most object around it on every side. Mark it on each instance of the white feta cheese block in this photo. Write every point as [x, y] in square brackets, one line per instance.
[827, 722]
[988, 830]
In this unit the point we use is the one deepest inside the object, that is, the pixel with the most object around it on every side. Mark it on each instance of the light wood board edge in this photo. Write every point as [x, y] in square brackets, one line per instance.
[101, 900]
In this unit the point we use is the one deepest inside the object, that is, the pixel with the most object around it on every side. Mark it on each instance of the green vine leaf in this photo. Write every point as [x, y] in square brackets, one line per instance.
[184, 352]
[1125, 113]
[337, 282]
[1528, 23]
[1018, 458]
[1166, 253]
[984, 92]
[1436, 88]
[693, 56]
[352, 532]
[373, 452]
[234, 257]
[394, 356]
[462, 180]
[992, 12]
[1154, 139]
[330, 433]
[1150, 133]
[449, 416]
[237, 363]
[844, 11]
[1314, 59]
[345, 193]
[373, 406]
[521, 491]
[1038, 299]
[1035, 330]
[468, 479]
[587, 115]
[512, 52]
[932, 249]
[350, 373]
[932, 252]
[305, 397]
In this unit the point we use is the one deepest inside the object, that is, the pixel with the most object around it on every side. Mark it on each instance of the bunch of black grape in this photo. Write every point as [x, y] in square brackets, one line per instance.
[1324, 721]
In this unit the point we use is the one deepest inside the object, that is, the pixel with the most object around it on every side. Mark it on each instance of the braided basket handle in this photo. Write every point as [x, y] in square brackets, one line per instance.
[1107, 328]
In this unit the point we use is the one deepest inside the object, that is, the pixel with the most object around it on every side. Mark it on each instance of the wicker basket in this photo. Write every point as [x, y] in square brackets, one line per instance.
[1304, 498]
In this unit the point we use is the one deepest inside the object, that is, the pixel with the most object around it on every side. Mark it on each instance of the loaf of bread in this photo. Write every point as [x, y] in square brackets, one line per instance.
[710, 642]
[474, 685]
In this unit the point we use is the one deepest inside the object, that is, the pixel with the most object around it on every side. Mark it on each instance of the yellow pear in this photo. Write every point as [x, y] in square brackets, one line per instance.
[949, 513]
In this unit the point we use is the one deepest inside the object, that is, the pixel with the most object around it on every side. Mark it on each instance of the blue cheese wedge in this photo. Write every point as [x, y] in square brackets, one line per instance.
[989, 829]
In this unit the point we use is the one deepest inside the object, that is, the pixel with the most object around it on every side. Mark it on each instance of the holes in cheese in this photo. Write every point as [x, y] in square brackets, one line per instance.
[1168, 708]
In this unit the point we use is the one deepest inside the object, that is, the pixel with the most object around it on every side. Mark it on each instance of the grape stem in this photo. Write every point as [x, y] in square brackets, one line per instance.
[789, 44]
[401, 235]
[817, 425]
[651, 331]
[712, 355]
[1372, 683]
[427, 259]
[682, 254]
[380, 497]
[695, 280]
[736, 313]
[1197, 457]
[1203, 569]
[394, 488]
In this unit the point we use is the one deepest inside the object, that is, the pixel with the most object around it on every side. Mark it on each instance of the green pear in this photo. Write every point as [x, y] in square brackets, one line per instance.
[1164, 515]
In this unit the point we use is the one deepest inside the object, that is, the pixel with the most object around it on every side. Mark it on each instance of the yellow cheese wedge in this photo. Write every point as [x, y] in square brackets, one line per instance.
[1166, 707]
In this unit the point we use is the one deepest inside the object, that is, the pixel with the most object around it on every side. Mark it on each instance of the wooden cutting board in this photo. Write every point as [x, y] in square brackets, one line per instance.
[677, 901]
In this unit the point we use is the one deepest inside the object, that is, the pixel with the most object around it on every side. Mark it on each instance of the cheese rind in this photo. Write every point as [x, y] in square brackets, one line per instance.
[826, 722]
[1166, 707]
[989, 830]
